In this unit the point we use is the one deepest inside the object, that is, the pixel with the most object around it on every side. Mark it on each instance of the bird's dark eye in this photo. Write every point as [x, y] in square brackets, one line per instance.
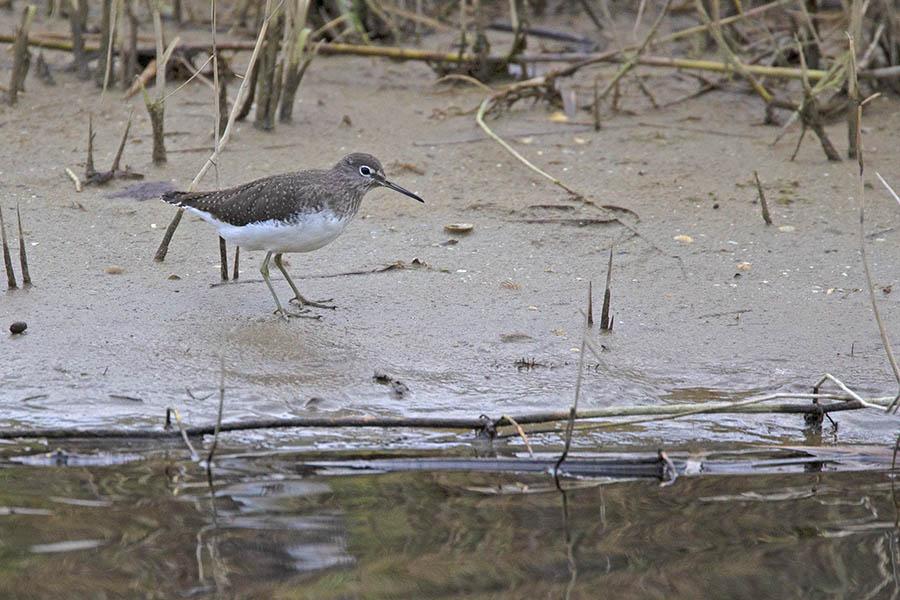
[365, 171]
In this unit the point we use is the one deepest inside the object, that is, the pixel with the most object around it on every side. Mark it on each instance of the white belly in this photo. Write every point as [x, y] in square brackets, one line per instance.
[306, 235]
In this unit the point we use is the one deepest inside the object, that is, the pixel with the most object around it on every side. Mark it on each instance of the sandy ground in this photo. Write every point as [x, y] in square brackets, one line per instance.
[691, 328]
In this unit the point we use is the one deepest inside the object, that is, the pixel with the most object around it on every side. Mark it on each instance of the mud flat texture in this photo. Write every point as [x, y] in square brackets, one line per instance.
[114, 338]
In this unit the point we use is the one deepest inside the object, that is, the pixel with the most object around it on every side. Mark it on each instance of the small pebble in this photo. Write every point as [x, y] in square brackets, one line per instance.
[114, 270]
[174, 277]
[18, 327]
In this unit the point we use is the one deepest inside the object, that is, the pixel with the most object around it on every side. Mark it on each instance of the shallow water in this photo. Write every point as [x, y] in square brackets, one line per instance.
[755, 524]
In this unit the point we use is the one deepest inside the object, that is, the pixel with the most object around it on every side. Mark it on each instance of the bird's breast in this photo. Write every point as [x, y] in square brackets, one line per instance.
[301, 233]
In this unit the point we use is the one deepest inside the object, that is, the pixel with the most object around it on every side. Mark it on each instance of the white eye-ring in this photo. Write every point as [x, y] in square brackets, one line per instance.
[365, 171]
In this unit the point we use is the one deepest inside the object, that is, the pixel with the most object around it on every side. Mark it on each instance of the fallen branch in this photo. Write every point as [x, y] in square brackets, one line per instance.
[843, 403]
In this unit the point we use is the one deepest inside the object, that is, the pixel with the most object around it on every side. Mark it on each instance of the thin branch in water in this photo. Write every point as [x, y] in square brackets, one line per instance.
[573, 411]
[215, 442]
[521, 433]
[170, 412]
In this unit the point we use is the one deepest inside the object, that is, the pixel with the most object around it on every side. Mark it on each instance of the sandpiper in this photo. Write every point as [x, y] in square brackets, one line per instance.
[293, 212]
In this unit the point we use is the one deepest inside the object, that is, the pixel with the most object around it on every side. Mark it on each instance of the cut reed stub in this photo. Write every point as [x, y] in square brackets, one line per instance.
[7, 259]
[23, 257]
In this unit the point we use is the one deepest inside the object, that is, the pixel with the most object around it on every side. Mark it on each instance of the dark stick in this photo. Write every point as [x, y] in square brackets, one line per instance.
[7, 260]
[222, 95]
[177, 12]
[223, 258]
[118, 158]
[605, 322]
[590, 306]
[762, 200]
[237, 256]
[89, 161]
[42, 70]
[167, 238]
[23, 258]
[585, 5]
[248, 102]
[799, 142]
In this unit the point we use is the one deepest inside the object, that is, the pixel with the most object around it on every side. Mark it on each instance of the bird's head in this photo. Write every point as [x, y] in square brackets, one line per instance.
[366, 171]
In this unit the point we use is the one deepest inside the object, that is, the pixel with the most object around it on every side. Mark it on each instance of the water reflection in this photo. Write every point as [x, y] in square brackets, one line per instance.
[276, 527]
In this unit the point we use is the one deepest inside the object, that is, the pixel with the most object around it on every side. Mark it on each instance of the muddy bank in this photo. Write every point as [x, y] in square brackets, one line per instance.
[743, 308]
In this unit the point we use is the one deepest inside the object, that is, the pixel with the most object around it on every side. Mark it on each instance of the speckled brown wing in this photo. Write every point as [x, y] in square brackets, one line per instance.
[280, 197]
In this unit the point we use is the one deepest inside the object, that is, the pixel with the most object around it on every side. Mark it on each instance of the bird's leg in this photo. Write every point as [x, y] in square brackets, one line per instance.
[297, 296]
[264, 270]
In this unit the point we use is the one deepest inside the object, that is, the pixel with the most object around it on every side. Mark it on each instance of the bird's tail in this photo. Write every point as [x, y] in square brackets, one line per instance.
[175, 198]
[183, 199]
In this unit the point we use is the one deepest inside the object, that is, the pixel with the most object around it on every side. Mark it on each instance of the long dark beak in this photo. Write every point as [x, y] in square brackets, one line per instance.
[385, 183]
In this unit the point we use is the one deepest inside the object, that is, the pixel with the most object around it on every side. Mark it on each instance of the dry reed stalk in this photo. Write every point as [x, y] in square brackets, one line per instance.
[173, 225]
[882, 330]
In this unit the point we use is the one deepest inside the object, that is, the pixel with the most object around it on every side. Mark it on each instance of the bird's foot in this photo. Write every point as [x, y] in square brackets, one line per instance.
[287, 315]
[300, 300]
